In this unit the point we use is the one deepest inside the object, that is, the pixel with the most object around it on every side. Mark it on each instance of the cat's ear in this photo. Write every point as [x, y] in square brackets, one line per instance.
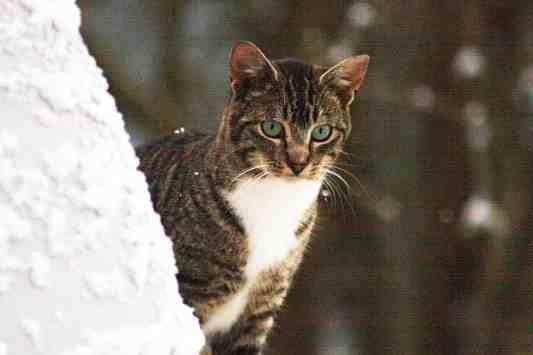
[347, 76]
[248, 62]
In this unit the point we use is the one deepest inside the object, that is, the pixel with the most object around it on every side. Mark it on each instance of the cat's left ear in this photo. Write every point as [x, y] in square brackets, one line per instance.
[347, 76]
[247, 62]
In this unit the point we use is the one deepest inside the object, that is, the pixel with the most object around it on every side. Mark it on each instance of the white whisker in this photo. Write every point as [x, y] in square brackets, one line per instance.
[332, 172]
[357, 180]
[343, 197]
[332, 190]
[249, 170]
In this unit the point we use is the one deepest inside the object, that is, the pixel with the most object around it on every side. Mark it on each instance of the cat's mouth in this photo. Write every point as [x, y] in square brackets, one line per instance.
[265, 169]
[305, 172]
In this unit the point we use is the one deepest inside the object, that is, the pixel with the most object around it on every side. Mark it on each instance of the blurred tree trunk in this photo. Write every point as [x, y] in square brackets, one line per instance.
[443, 255]
[509, 269]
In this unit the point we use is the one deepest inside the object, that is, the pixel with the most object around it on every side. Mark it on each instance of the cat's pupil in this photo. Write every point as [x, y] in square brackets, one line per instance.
[272, 128]
[321, 133]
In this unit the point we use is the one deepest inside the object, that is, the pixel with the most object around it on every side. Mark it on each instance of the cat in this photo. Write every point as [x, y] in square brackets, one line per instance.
[240, 204]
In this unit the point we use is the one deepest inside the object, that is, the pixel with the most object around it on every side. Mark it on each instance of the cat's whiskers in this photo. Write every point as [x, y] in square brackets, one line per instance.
[357, 180]
[331, 189]
[329, 169]
[248, 171]
[266, 172]
[263, 172]
[343, 197]
[340, 192]
[263, 175]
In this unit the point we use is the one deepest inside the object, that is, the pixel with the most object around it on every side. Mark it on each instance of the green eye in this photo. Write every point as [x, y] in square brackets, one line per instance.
[321, 133]
[272, 129]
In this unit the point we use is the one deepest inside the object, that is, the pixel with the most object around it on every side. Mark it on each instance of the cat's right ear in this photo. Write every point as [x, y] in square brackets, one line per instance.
[347, 76]
[247, 62]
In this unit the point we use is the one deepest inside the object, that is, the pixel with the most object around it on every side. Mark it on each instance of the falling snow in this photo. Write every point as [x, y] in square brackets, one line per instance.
[480, 214]
[423, 98]
[361, 14]
[469, 62]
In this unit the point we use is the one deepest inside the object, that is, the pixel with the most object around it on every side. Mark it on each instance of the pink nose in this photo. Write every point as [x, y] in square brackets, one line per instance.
[297, 159]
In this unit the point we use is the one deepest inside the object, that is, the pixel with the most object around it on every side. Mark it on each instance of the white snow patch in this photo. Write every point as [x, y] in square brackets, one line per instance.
[59, 317]
[5, 283]
[108, 285]
[76, 217]
[32, 330]
[65, 14]
[133, 340]
[39, 270]
[8, 142]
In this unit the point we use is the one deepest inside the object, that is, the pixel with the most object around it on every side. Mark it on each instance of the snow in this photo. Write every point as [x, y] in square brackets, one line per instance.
[32, 330]
[39, 269]
[85, 267]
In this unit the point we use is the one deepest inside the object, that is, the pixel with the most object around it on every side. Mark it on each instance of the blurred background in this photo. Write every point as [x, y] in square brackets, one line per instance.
[431, 251]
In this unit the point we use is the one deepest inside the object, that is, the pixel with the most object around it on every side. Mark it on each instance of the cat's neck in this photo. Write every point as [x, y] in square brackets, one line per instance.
[270, 210]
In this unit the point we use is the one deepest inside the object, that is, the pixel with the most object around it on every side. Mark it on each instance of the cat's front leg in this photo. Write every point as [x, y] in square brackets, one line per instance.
[206, 350]
[247, 337]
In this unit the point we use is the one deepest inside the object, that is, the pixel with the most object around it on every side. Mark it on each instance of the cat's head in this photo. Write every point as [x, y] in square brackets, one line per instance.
[286, 118]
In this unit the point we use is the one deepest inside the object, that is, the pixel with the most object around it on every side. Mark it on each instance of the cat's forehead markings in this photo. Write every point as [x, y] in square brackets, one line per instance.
[292, 95]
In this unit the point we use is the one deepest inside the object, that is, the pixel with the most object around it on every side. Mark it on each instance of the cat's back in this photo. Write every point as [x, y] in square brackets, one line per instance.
[168, 146]
[158, 155]
[162, 159]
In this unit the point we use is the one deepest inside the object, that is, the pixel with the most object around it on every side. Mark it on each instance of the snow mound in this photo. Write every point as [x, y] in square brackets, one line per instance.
[85, 267]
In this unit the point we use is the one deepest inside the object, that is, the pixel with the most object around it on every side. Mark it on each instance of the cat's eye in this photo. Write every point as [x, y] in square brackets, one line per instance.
[321, 133]
[272, 129]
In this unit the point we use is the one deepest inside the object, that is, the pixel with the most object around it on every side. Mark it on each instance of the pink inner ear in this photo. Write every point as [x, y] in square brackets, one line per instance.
[352, 71]
[245, 62]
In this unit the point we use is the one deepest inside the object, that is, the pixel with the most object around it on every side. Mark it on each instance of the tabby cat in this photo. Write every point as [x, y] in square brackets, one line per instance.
[239, 205]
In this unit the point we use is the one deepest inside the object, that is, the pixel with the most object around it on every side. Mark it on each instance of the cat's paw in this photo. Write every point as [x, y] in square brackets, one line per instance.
[206, 350]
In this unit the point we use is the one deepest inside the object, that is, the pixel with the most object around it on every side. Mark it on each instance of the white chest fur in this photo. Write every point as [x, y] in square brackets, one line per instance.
[270, 211]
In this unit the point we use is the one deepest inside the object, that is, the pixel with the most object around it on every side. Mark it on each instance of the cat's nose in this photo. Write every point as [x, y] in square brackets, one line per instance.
[297, 168]
[297, 160]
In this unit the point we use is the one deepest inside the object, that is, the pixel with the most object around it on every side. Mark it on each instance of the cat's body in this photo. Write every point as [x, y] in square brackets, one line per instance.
[240, 205]
[226, 280]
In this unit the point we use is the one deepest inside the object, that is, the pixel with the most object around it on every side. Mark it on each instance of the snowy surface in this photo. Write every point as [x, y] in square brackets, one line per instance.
[84, 264]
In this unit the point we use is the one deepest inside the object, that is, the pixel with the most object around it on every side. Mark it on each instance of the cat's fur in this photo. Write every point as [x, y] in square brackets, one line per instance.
[239, 232]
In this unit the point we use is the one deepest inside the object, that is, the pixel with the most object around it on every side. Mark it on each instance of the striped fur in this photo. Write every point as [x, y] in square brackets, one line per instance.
[213, 191]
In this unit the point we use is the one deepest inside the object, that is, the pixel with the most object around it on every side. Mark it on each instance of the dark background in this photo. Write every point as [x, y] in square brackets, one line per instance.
[431, 251]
